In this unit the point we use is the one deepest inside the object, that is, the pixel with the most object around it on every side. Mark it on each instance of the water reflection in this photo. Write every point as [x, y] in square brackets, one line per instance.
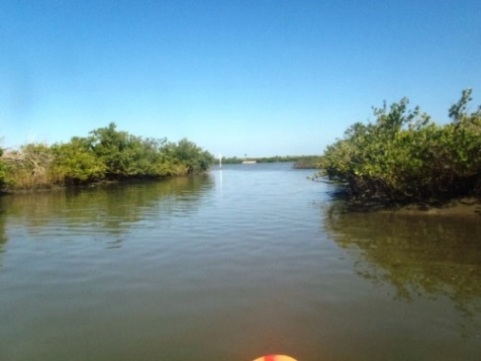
[110, 209]
[3, 237]
[420, 255]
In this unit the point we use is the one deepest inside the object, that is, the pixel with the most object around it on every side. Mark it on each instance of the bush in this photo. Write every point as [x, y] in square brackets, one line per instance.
[74, 163]
[2, 170]
[404, 157]
[193, 158]
[28, 167]
[105, 154]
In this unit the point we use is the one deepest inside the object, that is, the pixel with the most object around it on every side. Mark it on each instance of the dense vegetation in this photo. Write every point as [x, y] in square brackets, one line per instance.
[2, 169]
[403, 156]
[309, 161]
[105, 154]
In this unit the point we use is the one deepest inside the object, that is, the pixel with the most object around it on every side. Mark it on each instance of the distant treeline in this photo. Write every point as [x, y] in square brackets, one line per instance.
[105, 154]
[404, 157]
[303, 161]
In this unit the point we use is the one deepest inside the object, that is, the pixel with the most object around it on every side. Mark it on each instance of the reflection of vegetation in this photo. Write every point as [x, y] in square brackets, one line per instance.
[109, 208]
[418, 255]
[3, 236]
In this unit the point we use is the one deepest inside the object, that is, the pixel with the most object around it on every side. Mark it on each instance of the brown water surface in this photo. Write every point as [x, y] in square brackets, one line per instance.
[247, 260]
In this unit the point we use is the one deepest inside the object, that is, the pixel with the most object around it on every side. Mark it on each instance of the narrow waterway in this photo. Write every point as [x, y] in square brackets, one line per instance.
[244, 261]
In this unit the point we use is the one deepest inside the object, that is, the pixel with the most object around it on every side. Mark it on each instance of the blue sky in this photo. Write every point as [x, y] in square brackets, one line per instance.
[255, 77]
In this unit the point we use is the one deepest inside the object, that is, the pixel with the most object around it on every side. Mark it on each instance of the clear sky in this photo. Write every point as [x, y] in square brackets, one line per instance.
[255, 77]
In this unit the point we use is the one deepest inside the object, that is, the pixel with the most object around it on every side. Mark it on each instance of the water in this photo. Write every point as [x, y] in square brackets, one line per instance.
[245, 261]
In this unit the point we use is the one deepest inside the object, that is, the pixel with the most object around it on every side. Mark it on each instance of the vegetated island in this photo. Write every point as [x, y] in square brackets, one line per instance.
[106, 154]
[404, 158]
[300, 161]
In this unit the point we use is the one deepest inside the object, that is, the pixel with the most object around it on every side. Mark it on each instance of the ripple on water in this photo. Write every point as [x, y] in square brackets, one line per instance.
[239, 263]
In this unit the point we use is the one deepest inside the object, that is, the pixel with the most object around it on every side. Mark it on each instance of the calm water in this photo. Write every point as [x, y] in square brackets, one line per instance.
[246, 261]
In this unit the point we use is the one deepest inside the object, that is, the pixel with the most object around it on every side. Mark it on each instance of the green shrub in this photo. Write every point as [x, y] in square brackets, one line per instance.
[27, 167]
[2, 170]
[403, 156]
[75, 163]
[105, 154]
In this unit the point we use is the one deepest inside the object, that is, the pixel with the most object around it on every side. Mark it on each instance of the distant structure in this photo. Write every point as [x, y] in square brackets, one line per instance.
[247, 161]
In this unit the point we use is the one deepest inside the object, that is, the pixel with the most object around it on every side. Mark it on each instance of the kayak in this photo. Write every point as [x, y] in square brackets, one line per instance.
[275, 358]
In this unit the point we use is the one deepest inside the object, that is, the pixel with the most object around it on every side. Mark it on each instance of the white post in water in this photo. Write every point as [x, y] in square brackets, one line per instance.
[220, 160]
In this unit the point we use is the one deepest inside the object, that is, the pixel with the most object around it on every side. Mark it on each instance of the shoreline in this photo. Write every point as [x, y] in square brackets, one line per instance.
[463, 206]
[88, 185]
[466, 206]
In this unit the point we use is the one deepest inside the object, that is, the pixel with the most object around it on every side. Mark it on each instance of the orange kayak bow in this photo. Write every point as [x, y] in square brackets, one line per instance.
[275, 358]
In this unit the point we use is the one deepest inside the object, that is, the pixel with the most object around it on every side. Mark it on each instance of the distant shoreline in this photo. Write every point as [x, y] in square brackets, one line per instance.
[301, 161]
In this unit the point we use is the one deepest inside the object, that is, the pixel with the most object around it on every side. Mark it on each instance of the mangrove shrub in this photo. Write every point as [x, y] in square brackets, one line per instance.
[2, 169]
[105, 154]
[403, 156]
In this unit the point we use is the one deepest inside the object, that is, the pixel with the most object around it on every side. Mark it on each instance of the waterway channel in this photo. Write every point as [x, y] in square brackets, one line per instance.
[243, 261]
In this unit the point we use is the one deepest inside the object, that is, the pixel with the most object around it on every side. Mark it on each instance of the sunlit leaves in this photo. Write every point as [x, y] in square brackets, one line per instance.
[404, 156]
[2, 169]
[105, 154]
[75, 164]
